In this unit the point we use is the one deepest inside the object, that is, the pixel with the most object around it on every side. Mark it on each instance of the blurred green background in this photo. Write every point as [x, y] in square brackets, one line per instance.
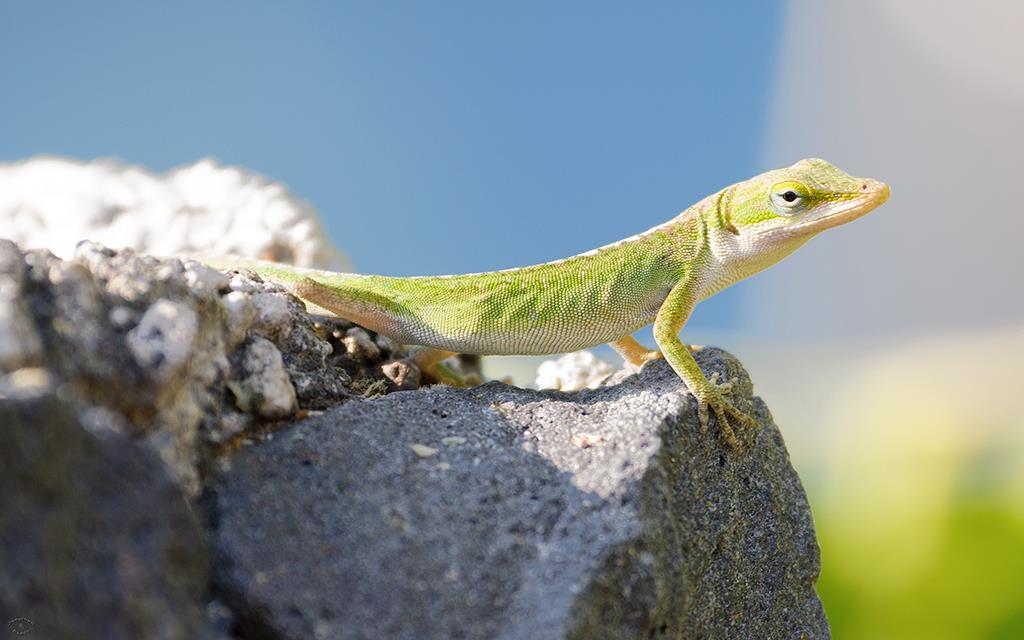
[488, 137]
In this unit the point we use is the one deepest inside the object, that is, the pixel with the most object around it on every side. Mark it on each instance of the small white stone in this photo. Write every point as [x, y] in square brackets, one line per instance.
[204, 280]
[272, 313]
[122, 316]
[264, 389]
[422, 450]
[241, 283]
[240, 314]
[27, 379]
[166, 272]
[164, 338]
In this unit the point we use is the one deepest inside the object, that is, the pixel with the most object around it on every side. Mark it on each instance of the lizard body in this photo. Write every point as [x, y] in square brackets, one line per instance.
[606, 294]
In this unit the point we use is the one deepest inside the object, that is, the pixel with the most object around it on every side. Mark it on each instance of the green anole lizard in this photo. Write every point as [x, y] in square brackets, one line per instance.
[604, 295]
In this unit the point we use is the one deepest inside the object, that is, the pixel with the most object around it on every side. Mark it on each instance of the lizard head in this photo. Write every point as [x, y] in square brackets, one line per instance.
[798, 202]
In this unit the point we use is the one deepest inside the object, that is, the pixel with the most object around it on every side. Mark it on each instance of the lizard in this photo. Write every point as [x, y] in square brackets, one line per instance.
[604, 295]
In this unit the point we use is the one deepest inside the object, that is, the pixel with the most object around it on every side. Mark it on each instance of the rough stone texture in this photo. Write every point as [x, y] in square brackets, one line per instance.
[96, 538]
[498, 512]
[188, 356]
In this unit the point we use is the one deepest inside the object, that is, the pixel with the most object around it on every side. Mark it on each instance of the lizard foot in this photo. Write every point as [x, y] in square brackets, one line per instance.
[446, 375]
[633, 352]
[429, 361]
[724, 411]
[651, 356]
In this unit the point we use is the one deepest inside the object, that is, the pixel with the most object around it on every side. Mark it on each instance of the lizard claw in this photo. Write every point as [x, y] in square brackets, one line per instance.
[723, 410]
[724, 387]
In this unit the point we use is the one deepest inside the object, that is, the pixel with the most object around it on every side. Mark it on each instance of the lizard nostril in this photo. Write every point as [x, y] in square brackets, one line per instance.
[863, 186]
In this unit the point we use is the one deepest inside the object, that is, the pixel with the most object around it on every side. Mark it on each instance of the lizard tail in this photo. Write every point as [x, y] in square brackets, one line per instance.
[352, 296]
[274, 271]
[295, 279]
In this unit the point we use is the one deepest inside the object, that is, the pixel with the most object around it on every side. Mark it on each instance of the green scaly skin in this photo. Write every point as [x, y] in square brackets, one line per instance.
[606, 294]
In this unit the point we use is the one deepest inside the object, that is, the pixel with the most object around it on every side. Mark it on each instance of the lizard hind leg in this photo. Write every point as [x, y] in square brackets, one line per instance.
[633, 352]
[349, 304]
[429, 361]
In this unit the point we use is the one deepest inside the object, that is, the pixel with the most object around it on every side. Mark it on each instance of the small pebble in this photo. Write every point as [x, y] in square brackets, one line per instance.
[121, 316]
[422, 450]
[273, 315]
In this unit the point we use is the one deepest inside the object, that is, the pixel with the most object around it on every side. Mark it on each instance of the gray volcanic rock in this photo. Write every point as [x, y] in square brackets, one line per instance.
[96, 538]
[498, 512]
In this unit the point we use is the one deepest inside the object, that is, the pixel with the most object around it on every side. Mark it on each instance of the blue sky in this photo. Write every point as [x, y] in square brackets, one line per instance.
[432, 137]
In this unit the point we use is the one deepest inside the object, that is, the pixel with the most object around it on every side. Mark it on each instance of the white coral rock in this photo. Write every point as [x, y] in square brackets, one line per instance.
[572, 372]
[202, 209]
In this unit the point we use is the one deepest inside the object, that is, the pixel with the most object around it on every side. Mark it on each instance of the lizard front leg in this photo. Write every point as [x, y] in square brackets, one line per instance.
[672, 315]
[637, 354]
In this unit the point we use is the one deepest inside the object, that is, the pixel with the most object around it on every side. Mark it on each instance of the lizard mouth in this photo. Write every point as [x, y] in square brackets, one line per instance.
[871, 195]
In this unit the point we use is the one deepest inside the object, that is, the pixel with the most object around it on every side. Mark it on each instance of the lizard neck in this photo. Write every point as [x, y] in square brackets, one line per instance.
[736, 253]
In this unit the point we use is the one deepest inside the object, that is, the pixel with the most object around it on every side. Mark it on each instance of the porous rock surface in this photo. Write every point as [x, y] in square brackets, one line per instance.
[167, 471]
[187, 355]
[499, 512]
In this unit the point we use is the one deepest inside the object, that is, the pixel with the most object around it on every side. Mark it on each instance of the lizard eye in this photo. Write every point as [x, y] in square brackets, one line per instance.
[788, 198]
